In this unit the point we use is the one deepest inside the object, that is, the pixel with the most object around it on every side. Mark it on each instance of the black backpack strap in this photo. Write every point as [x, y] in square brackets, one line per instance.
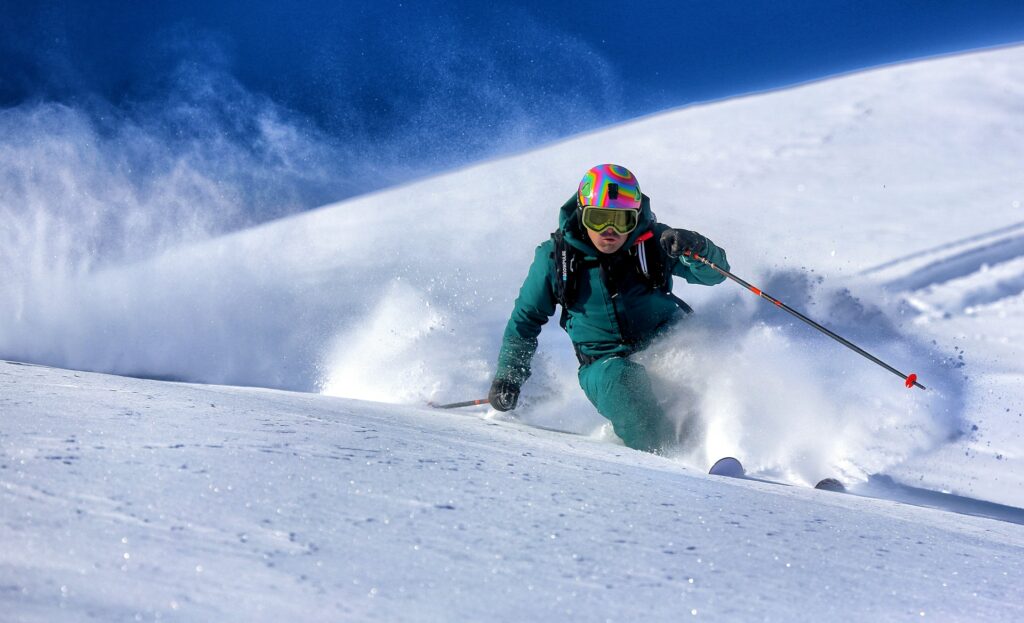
[566, 259]
[562, 266]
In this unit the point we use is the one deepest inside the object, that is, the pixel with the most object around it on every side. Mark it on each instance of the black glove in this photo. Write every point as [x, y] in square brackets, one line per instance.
[677, 242]
[504, 395]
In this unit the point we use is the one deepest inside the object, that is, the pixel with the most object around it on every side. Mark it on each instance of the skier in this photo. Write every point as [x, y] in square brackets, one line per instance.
[610, 267]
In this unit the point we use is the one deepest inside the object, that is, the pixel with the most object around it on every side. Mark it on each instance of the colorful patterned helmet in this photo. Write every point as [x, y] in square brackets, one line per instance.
[609, 186]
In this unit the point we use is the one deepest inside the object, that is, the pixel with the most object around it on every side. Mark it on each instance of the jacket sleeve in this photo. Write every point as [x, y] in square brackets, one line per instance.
[533, 308]
[696, 272]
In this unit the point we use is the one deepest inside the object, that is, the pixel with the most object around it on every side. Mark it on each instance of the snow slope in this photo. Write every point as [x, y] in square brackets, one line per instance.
[125, 499]
[886, 204]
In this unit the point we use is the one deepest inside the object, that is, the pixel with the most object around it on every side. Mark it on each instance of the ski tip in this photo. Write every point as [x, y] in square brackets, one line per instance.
[831, 484]
[728, 466]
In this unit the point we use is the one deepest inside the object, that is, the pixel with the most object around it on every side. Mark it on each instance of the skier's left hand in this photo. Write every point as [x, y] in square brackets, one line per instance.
[504, 395]
[677, 242]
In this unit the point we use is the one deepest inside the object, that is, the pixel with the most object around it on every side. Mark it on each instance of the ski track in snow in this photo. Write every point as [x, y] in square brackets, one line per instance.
[125, 499]
[957, 261]
[971, 291]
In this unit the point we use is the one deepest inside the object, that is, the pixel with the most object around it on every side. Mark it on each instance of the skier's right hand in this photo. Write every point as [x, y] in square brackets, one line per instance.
[504, 395]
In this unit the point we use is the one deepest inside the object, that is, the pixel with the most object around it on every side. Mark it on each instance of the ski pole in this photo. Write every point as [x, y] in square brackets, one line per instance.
[910, 380]
[456, 405]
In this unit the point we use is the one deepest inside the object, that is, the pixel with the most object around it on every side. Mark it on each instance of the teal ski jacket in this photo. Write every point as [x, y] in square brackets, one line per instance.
[614, 311]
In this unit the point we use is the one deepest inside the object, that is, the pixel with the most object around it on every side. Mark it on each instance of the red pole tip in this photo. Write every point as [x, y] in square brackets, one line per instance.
[911, 380]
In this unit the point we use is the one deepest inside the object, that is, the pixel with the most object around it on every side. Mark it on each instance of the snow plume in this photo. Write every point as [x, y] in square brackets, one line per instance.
[93, 192]
[746, 379]
[381, 358]
[420, 344]
[94, 186]
[436, 338]
[740, 377]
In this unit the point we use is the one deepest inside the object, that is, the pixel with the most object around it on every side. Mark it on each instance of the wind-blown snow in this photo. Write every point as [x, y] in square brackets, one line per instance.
[885, 204]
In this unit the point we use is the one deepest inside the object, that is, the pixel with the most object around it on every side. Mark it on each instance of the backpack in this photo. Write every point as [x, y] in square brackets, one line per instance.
[649, 261]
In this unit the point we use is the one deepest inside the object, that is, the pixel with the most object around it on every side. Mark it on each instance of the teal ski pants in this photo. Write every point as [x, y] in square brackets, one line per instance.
[621, 391]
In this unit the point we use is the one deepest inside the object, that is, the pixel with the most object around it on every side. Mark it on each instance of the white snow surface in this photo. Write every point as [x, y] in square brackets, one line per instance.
[127, 499]
[885, 204]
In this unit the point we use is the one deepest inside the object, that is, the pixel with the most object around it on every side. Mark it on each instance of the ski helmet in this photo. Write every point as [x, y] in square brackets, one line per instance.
[609, 186]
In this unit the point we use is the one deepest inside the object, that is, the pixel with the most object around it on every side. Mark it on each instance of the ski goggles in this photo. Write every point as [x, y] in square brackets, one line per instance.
[621, 220]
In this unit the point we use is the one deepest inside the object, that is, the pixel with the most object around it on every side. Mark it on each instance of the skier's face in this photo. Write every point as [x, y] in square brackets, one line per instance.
[607, 241]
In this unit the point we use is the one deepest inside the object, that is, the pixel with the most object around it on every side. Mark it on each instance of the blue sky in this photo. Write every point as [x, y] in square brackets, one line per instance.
[304, 55]
[410, 87]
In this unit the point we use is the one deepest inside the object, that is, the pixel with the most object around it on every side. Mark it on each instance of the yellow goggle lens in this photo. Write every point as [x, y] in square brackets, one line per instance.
[600, 219]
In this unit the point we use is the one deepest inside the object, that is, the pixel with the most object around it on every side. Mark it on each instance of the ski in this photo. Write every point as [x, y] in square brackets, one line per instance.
[731, 467]
[728, 466]
[880, 487]
[831, 484]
